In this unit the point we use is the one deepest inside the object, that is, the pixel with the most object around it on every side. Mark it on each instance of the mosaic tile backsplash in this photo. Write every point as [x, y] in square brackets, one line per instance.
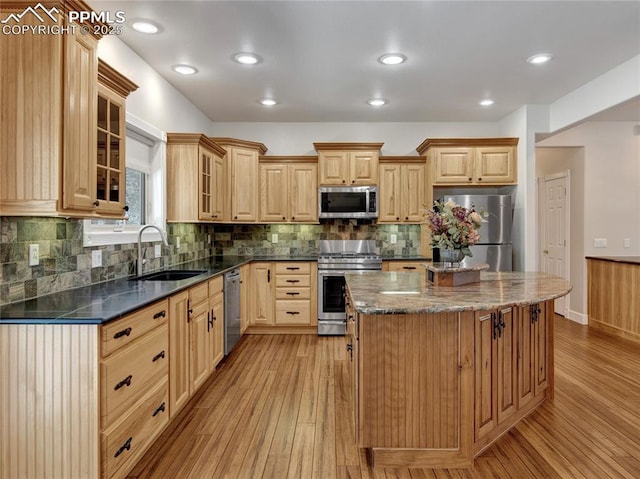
[66, 264]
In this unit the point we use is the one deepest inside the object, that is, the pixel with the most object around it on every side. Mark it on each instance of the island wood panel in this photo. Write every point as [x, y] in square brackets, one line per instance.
[613, 296]
[49, 401]
[416, 388]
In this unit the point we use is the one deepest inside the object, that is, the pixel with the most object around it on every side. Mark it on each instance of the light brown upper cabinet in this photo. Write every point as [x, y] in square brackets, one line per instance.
[348, 163]
[242, 178]
[288, 189]
[402, 189]
[48, 153]
[113, 89]
[196, 178]
[472, 161]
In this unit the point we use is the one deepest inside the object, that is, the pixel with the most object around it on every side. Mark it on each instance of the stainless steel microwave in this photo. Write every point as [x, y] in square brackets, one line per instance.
[348, 202]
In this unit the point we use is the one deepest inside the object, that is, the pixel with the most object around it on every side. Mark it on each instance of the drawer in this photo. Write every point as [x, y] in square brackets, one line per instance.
[293, 292]
[290, 267]
[124, 443]
[125, 376]
[296, 313]
[117, 334]
[406, 266]
[216, 285]
[199, 293]
[290, 280]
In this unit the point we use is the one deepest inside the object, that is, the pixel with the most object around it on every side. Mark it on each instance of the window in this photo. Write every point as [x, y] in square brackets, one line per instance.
[145, 186]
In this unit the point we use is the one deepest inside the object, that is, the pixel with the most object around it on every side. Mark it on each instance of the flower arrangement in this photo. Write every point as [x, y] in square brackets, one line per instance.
[453, 226]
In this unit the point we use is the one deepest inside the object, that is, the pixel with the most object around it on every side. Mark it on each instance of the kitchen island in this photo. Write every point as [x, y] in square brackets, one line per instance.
[439, 373]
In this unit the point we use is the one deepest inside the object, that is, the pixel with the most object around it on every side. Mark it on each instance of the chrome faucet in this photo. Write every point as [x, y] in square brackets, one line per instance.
[141, 261]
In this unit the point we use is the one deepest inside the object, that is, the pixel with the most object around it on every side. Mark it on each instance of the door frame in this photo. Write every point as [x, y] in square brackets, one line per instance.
[541, 231]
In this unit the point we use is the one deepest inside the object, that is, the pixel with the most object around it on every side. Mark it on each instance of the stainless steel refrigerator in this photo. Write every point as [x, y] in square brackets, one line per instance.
[494, 247]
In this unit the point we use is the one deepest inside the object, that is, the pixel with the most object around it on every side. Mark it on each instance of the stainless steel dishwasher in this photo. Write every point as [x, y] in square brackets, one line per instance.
[231, 309]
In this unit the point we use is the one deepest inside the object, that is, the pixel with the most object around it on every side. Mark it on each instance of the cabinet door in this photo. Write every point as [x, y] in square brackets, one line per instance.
[216, 330]
[303, 193]
[495, 165]
[273, 193]
[79, 116]
[179, 352]
[363, 167]
[201, 334]
[206, 183]
[526, 356]
[219, 189]
[390, 193]
[333, 167]
[453, 165]
[244, 185]
[486, 418]
[262, 294]
[412, 189]
[506, 363]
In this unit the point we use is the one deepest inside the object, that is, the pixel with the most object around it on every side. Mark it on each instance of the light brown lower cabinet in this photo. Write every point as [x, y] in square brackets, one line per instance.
[405, 266]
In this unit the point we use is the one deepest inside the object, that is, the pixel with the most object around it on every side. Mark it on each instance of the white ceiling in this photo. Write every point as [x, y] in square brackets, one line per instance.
[320, 57]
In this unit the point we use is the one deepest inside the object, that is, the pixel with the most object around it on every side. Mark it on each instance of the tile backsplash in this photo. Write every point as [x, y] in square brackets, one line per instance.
[66, 264]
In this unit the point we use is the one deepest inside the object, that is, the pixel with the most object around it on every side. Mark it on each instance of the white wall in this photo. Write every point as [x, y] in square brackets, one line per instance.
[551, 160]
[400, 138]
[155, 101]
[611, 200]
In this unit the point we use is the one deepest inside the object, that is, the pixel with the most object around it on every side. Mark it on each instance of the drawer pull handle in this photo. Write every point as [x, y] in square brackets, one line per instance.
[125, 447]
[292, 293]
[161, 314]
[292, 268]
[408, 267]
[125, 382]
[160, 409]
[293, 312]
[124, 332]
[293, 281]
[160, 355]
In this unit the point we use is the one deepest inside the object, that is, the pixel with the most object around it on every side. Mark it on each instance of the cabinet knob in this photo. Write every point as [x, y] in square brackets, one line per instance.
[344, 181]
[397, 218]
[479, 179]
[96, 203]
[284, 218]
[235, 217]
[470, 179]
[125, 208]
[353, 181]
[293, 217]
[406, 218]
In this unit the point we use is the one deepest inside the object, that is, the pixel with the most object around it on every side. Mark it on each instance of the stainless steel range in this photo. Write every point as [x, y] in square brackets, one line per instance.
[335, 259]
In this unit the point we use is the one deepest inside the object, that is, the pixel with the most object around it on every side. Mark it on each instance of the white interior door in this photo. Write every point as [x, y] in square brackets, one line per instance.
[555, 231]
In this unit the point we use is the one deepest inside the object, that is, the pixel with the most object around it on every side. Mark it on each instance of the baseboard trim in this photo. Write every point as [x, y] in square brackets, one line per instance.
[576, 317]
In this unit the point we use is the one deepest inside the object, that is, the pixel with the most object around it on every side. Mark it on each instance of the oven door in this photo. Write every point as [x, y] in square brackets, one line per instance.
[332, 314]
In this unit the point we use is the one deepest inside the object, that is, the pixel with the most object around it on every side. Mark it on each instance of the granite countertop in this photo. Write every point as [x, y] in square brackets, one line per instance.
[104, 302]
[406, 293]
[618, 259]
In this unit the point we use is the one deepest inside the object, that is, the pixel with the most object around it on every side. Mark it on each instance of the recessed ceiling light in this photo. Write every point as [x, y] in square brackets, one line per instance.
[540, 58]
[247, 58]
[184, 69]
[377, 102]
[145, 26]
[268, 102]
[487, 102]
[392, 58]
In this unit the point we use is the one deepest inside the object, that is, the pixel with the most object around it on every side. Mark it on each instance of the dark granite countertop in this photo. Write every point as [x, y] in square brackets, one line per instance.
[104, 302]
[407, 293]
[618, 259]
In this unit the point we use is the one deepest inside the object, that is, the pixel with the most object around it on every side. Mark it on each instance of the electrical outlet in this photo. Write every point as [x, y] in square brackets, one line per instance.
[34, 255]
[177, 242]
[157, 249]
[209, 238]
[626, 243]
[96, 258]
[394, 239]
[599, 242]
[274, 238]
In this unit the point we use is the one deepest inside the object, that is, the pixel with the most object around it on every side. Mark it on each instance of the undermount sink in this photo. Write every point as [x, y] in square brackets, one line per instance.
[170, 275]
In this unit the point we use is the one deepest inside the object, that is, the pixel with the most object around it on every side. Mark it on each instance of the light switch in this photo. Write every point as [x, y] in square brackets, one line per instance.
[96, 258]
[394, 239]
[34, 254]
[274, 238]
[599, 242]
[626, 243]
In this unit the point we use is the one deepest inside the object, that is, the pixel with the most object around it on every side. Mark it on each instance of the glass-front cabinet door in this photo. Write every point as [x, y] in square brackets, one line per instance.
[111, 155]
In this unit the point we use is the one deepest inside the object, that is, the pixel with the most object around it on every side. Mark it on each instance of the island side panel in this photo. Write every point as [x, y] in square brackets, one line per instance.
[49, 401]
[416, 389]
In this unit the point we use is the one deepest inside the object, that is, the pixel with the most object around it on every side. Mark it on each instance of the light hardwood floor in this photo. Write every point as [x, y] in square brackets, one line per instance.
[279, 407]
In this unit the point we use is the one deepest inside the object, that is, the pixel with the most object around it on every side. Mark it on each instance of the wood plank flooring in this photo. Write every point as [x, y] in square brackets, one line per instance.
[279, 408]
